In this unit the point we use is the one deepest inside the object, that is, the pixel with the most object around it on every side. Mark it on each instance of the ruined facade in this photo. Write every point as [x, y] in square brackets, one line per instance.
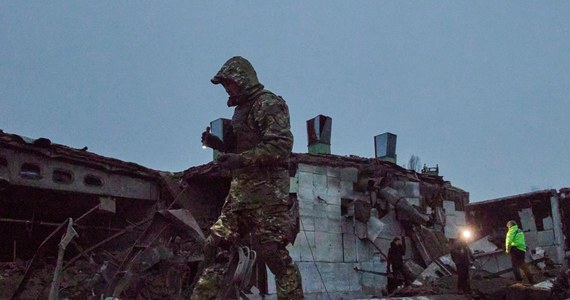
[90, 220]
[140, 231]
[544, 216]
[346, 224]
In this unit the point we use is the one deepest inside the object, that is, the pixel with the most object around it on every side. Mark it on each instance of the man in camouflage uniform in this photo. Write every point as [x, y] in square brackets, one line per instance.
[256, 150]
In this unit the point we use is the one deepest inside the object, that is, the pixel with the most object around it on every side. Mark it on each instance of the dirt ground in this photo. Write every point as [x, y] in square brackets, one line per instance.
[482, 288]
[85, 280]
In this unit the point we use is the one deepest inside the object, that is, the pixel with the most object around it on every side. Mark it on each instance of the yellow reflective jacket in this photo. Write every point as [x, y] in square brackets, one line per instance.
[515, 237]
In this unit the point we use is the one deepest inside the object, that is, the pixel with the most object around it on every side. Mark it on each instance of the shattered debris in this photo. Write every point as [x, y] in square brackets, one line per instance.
[140, 232]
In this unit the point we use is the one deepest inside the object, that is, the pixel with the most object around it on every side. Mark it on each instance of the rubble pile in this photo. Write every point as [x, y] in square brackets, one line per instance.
[139, 233]
[169, 273]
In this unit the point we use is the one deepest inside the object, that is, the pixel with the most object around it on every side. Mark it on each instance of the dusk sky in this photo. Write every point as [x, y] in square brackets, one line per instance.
[481, 88]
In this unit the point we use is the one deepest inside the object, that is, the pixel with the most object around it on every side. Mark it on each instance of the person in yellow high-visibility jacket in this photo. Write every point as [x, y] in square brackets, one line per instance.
[515, 245]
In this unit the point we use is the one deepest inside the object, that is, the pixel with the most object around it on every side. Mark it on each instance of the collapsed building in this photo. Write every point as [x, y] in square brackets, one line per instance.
[136, 232]
[543, 216]
[115, 217]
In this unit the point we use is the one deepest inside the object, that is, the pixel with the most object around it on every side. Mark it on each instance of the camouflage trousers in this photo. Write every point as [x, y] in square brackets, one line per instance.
[271, 227]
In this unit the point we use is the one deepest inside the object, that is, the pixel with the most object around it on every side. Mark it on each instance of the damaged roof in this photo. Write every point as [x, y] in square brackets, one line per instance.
[373, 166]
[532, 195]
[45, 148]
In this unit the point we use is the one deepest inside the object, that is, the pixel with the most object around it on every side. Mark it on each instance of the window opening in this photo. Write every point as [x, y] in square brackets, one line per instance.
[93, 180]
[62, 176]
[30, 171]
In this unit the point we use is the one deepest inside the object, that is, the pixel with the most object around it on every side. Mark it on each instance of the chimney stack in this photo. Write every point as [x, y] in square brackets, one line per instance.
[319, 134]
[385, 147]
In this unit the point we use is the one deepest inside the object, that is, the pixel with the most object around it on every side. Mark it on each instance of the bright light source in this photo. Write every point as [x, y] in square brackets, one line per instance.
[466, 234]
[204, 147]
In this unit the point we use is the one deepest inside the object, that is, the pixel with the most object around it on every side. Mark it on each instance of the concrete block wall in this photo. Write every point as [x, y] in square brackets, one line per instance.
[372, 284]
[329, 246]
[326, 248]
[527, 220]
[454, 220]
[411, 191]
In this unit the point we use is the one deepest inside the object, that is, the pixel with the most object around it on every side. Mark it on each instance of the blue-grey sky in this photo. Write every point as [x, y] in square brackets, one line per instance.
[481, 88]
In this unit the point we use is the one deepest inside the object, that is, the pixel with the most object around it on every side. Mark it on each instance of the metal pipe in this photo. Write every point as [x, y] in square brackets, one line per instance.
[357, 269]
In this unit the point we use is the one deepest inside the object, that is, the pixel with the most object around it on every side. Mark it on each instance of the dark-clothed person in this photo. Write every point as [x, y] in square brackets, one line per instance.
[515, 245]
[461, 256]
[395, 264]
[561, 285]
[256, 150]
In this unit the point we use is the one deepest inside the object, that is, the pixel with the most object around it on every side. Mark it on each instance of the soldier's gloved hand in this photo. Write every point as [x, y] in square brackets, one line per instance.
[212, 141]
[229, 161]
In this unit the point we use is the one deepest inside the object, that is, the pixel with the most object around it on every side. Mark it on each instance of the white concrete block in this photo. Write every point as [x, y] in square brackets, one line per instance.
[364, 250]
[328, 225]
[295, 252]
[347, 225]
[547, 223]
[531, 239]
[337, 277]
[460, 218]
[382, 246]
[374, 228]
[527, 220]
[414, 201]
[375, 264]
[551, 253]
[545, 238]
[307, 223]
[329, 247]
[360, 229]
[321, 170]
[306, 168]
[320, 182]
[346, 189]
[305, 245]
[409, 189]
[306, 193]
[333, 172]
[449, 207]
[329, 199]
[483, 245]
[311, 278]
[349, 174]
[293, 185]
[333, 186]
[349, 247]
[305, 179]
[451, 229]
[326, 209]
[271, 281]
[392, 226]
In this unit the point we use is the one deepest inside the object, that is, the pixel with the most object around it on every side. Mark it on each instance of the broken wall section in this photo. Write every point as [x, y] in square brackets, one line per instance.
[539, 214]
[345, 233]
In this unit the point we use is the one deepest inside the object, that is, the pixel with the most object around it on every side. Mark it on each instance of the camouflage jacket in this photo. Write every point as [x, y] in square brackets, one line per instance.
[261, 132]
